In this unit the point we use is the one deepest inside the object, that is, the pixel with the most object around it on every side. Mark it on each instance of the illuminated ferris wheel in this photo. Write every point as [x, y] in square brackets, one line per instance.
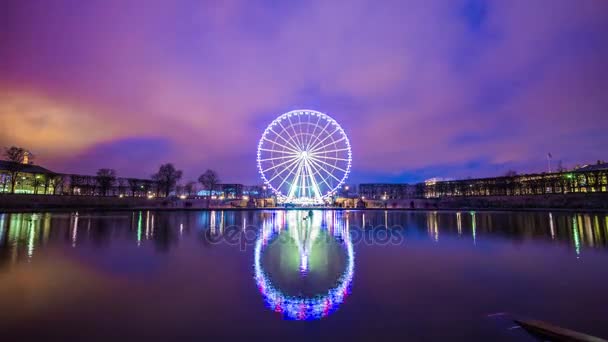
[304, 156]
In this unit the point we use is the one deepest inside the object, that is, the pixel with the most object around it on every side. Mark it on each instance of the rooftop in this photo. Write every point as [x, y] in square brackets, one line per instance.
[26, 168]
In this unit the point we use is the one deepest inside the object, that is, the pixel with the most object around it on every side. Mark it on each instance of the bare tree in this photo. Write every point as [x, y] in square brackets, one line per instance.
[58, 182]
[166, 177]
[209, 180]
[189, 188]
[134, 186]
[511, 173]
[16, 154]
[105, 179]
[37, 181]
[122, 186]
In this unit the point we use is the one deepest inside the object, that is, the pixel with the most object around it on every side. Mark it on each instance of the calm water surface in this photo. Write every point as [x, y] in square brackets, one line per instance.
[332, 275]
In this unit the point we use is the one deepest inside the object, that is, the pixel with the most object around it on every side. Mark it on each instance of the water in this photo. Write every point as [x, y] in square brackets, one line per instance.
[332, 275]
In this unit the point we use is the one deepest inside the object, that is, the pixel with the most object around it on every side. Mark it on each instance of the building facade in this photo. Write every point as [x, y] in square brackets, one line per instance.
[588, 179]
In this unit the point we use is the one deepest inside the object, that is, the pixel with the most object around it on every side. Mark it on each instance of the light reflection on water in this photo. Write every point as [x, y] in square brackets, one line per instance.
[125, 243]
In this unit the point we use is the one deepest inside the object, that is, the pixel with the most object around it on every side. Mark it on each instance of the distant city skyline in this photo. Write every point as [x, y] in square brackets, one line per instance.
[451, 89]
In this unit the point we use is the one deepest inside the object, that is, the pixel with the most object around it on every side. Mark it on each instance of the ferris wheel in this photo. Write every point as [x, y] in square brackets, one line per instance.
[304, 156]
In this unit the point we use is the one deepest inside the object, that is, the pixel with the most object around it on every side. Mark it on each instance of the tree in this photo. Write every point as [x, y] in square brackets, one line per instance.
[511, 173]
[209, 180]
[37, 181]
[16, 154]
[166, 177]
[122, 186]
[105, 179]
[179, 189]
[134, 186]
[189, 188]
[58, 182]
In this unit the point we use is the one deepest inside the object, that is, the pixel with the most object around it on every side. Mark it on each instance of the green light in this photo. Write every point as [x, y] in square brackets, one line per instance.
[139, 223]
[577, 242]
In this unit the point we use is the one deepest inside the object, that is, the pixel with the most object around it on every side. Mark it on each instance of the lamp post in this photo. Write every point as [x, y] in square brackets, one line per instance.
[384, 198]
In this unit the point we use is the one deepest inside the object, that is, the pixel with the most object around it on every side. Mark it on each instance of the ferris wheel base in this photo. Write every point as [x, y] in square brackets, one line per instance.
[303, 201]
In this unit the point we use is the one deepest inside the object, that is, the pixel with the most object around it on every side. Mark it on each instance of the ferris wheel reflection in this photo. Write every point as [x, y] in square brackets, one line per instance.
[306, 232]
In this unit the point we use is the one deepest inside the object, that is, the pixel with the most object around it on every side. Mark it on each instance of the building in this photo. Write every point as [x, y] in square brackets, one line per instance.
[587, 179]
[24, 178]
[387, 191]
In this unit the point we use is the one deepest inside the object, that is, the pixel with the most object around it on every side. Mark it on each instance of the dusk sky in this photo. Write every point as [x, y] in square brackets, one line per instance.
[446, 88]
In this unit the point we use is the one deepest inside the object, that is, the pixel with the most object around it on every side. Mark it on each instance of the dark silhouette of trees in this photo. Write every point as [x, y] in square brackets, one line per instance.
[189, 188]
[105, 180]
[134, 186]
[58, 182]
[16, 155]
[37, 181]
[122, 186]
[166, 177]
[209, 180]
[511, 173]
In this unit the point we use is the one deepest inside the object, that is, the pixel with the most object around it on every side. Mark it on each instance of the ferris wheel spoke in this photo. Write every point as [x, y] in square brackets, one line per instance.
[285, 140]
[285, 147]
[324, 180]
[294, 185]
[328, 145]
[280, 164]
[330, 151]
[312, 135]
[293, 128]
[302, 135]
[275, 158]
[323, 130]
[278, 151]
[328, 164]
[314, 161]
[283, 171]
[331, 158]
[291, 137]
[313, 182]
[287, 177]
[329, 135]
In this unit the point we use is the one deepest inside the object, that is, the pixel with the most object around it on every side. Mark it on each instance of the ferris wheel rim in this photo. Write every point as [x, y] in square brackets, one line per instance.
[292, 147]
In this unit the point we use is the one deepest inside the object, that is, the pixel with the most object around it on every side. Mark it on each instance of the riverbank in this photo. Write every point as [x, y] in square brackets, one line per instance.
[569, 202]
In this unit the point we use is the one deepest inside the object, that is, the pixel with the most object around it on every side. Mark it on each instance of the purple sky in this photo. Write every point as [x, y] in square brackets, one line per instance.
[423, 88]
